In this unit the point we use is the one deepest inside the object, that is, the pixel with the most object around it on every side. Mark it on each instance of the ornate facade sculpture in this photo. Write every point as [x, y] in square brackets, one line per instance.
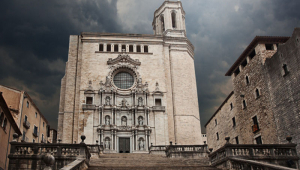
[107, 143]
[107, 120]
[141, 144]
[141, 121]
[124, 121]
[140, 101]
[107, 101]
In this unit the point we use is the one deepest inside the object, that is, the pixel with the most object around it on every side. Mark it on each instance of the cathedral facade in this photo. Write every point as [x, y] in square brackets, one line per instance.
[128, 91]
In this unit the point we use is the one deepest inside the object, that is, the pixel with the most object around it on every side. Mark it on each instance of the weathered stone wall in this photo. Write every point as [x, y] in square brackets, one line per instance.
[285, 89]
[224, 126]
[260, 107]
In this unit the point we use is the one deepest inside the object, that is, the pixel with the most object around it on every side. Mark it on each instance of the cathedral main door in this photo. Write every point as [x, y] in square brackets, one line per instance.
[124, 145]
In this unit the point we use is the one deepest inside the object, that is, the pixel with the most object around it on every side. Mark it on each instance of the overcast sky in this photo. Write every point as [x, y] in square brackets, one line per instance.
[34, 37]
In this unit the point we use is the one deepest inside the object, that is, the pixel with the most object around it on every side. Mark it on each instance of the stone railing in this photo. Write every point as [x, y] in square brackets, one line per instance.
[186, 151]
[157, 150]
[33, 155]
[242, 164]
[88, 107]
[279, 154]
[159, 108]
[95, 150]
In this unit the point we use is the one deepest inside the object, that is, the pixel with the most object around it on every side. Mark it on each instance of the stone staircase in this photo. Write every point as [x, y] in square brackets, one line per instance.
[147, 162]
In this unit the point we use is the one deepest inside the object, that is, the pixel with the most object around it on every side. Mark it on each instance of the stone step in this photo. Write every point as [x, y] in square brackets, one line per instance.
[147, 162]
[153, 168]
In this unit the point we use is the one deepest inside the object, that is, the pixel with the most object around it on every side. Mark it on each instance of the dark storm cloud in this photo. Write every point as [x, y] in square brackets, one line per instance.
[34, 43]
[34, 39]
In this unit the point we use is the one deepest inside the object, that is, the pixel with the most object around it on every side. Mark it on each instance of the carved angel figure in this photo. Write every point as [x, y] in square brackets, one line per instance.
[107, 120]
[124, 101]
[107, 143]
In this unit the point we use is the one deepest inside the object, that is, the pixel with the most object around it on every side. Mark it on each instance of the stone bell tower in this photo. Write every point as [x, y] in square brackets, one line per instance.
[169, 22]
[169, 19]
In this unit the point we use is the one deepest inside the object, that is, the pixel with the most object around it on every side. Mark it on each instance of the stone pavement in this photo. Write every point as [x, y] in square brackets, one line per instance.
[147, 162]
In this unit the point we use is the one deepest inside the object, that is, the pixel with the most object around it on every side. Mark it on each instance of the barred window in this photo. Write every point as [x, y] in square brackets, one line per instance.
[123, 80]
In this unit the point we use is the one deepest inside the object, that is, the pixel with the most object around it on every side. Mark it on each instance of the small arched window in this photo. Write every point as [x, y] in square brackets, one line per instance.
[247, 80]
[257, 94]
[173, 20]
[244, 104]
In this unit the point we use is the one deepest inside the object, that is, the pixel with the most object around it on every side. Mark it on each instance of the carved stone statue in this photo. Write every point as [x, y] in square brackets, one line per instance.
[107, 120]
[107, 143]
[107, 101]
[107, 82]
[141, 144]
[141, 121]
[124, 121]
[139, 81]
[157, 87]
[124, 101]
[140, 101]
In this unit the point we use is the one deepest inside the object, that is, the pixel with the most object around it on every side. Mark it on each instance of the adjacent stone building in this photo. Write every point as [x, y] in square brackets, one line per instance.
[8, 127]
[32, 124]
[130, 90]
[264, 105]
[52, 138]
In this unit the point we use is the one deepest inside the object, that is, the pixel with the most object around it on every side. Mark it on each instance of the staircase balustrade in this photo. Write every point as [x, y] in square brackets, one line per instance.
[280, 154]
[186, 151]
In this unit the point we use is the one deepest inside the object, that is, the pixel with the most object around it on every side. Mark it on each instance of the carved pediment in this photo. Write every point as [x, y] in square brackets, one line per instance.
[123, 58]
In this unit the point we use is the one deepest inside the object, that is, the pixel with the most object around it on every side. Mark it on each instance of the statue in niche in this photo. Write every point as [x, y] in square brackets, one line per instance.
[141, 121]
[124, 121]
[124, 101]
[157, 87]
[107, 143]
[141, 144]
[107, 82]
[139, 81]
[107, 101]
[140, 101]
[107, 120]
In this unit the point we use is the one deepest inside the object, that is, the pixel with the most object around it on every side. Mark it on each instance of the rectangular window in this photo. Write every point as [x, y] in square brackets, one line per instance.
[89, 100]
[108, 47]
[101, 47]
[255, 127]
[145, 49]
[157, 102]
[244, 104]
[43, 124]
[124, 48]
[285, 69]
[130, 48]
[216, 122]
[258, 140]
[231, 106]
[25, 119]
[252, 54]
[269, 47]
[116, 48]
[217, 136]
[244, 63]
[35, 130]
[233, 122]
[237, 140]
[138, 48]
[35, 114]
[27, 104]
[23, 136]
[33, 141]
[42, 138]
[237, 71]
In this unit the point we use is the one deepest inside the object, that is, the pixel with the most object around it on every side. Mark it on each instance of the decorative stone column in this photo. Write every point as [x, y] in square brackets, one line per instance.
[102, 134]
[146, 140]
[132, 134]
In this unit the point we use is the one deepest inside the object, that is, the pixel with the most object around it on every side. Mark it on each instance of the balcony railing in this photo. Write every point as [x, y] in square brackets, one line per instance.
[255, 128]
[88, 107]
[35, 134]
[26, 124]
[159, 108]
